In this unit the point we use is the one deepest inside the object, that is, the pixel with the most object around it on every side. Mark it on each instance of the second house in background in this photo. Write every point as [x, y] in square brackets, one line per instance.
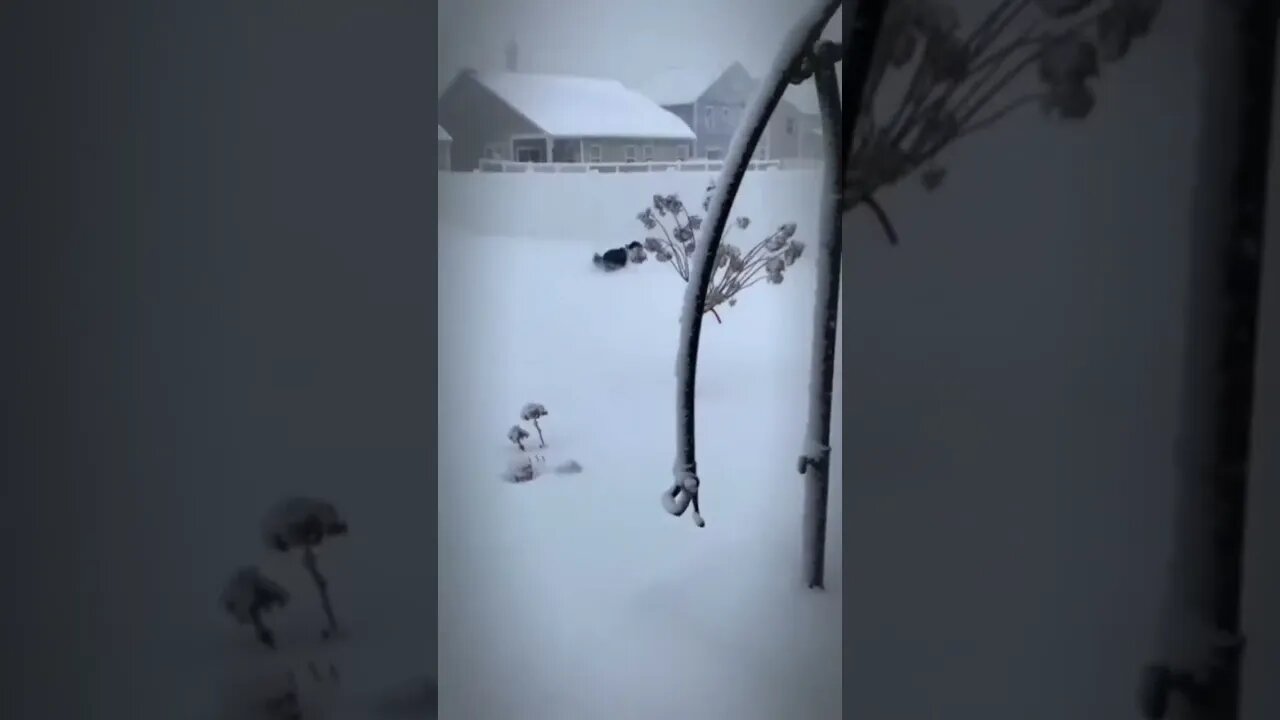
[713, 103]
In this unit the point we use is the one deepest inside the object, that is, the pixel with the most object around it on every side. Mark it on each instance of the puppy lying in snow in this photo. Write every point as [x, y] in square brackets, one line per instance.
[618, 258]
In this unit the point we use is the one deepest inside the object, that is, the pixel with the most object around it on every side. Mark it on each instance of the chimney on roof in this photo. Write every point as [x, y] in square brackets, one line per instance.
[513, 57]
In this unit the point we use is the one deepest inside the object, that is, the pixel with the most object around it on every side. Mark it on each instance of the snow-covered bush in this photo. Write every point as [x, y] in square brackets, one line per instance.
[302, 522]
[248, 595]
[735, 270]
[525, 469]
[949, 84]
[530, 467]
[530, 413]
[518, 435]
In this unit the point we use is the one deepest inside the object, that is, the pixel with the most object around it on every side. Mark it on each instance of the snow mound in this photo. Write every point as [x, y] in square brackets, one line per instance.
[531, 467]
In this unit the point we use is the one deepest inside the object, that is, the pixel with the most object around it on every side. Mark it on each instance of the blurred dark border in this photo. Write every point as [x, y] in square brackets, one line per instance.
[182, 178]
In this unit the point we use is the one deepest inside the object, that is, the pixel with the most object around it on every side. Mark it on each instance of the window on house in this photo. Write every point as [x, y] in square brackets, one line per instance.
[791, 126]
[709, 118]
[682, 152]
[595, 153]
[530, 155]
[648, 153]
[715, 153]
[629, 153]
[726, 118]
[493, 151]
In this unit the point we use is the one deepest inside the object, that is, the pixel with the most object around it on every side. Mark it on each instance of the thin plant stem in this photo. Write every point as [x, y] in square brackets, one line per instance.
[322, 586]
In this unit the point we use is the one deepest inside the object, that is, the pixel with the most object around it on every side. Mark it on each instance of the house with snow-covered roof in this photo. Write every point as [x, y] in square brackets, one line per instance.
[444, 144]
[714, 102]
[537, 118]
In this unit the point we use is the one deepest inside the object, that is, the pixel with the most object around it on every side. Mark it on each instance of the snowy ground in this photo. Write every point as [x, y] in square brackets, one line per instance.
[570, 598]
[577, 596]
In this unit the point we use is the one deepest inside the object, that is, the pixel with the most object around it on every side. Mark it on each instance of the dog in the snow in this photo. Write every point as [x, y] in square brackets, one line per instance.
[618, 258]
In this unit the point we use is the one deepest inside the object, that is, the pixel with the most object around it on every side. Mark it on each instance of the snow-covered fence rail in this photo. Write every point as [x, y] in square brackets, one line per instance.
[507, 166]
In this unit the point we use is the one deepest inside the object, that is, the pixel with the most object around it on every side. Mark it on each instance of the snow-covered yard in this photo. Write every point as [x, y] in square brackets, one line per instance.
[576, 596]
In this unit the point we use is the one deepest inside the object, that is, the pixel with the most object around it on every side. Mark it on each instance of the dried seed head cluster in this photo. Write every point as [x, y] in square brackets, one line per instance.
[932, 83]
[735, 270]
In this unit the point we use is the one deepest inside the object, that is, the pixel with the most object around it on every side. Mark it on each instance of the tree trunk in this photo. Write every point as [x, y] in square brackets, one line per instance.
[1198, 675]
[860, 31]
[816, 462]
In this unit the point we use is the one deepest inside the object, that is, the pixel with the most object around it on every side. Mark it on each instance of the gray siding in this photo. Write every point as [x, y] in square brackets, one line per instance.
[717, 122]
[812, 147]
[784, 131]
[734, 87]
[613, 150]
[684, 112]
[476, 118]
[719, 112]
[720, 109]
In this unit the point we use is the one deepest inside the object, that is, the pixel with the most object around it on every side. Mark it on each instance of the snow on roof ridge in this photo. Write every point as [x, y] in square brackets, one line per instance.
[577, 106]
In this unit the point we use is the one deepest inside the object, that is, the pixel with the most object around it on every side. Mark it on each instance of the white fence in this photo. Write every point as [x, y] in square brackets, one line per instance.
[602, 207]
[507, 166]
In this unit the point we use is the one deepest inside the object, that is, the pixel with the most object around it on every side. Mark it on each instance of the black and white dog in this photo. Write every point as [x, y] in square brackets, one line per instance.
[617, 258]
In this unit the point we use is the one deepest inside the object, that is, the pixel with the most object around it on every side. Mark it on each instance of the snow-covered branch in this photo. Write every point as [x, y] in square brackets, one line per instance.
[797, 44]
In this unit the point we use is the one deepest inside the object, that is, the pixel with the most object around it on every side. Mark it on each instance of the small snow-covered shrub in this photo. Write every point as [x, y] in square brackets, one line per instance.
[301, 522]
[248, 595]
[531, 412]
[531, 467]
[735, 270]
[525, 469]
[518, 435]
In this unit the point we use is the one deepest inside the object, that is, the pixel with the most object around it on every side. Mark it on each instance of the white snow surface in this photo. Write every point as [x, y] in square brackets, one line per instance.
[442, 134]
[573, 107]
[575, 595]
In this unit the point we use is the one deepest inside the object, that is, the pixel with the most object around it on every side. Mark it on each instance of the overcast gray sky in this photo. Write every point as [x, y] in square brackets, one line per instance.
[627, 40]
